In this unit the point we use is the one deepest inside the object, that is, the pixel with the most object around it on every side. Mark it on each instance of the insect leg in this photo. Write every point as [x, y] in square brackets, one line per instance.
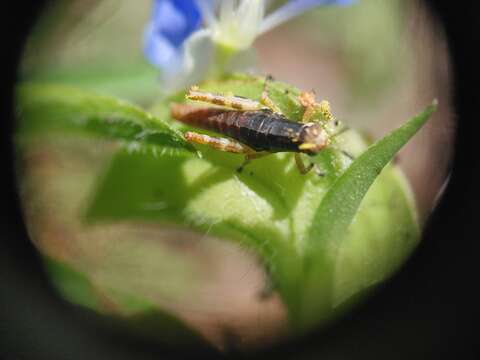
[227, 100]
[341, 131]
[222, 144]
[324, 108]
[251, 156]
[265, 100]
[301, 166]
[306, 169]
[225, 144]
[348, 155]
[308, 101]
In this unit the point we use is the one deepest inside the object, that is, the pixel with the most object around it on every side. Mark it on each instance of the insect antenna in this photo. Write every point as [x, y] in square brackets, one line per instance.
[341, 131]
[342, 151]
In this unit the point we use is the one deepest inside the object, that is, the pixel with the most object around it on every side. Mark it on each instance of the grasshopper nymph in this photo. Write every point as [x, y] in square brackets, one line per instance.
[255, 128]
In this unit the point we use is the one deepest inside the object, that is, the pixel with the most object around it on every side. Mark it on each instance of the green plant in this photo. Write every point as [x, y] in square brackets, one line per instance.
[323, 240]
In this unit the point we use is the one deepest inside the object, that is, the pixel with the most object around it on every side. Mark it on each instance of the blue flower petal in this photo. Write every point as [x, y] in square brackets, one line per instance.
[159, 50]
[175, 43]
[176, 20]
[172, 22]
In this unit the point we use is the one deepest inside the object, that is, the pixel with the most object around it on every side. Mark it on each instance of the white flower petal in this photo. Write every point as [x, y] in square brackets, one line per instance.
[250, 14]
[291, 9]
[238, 28]
[207, 8]
[198, 56]
[227, 10]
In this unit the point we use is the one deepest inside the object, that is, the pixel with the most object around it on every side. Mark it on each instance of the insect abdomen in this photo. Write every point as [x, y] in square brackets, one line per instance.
[261, 130]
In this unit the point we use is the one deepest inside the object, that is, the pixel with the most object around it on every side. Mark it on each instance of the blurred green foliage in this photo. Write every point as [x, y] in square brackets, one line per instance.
[135, 313]
[369, 40]
[324, 241]
[309, 231]
[97, 44]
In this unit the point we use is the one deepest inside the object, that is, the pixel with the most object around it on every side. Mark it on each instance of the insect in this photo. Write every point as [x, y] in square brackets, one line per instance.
[255, 128]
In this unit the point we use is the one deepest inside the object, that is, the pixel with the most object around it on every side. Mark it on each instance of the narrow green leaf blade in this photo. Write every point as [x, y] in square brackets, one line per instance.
[47, 108]
[342, 201]
[333, 219]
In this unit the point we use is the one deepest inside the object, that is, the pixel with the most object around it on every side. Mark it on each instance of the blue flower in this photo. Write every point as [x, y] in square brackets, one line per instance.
[172, 22]
[176, 42]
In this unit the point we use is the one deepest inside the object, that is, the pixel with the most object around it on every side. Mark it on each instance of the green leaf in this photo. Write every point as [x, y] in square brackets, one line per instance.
[324, 240]
[339, 208]
[342, 201]
[62, 109]
[72, 284]
[136, 82]
[122, 309]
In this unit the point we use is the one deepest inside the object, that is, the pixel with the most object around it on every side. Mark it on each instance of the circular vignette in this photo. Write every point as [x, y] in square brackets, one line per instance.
[425, 311]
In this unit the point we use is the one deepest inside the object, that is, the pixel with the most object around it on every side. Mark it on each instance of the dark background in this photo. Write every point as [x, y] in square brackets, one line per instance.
[427, 311]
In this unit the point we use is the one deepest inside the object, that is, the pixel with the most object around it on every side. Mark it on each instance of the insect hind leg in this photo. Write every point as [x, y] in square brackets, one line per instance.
[226, 145]
[221, 144]
[234, 101]
[227, 100]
